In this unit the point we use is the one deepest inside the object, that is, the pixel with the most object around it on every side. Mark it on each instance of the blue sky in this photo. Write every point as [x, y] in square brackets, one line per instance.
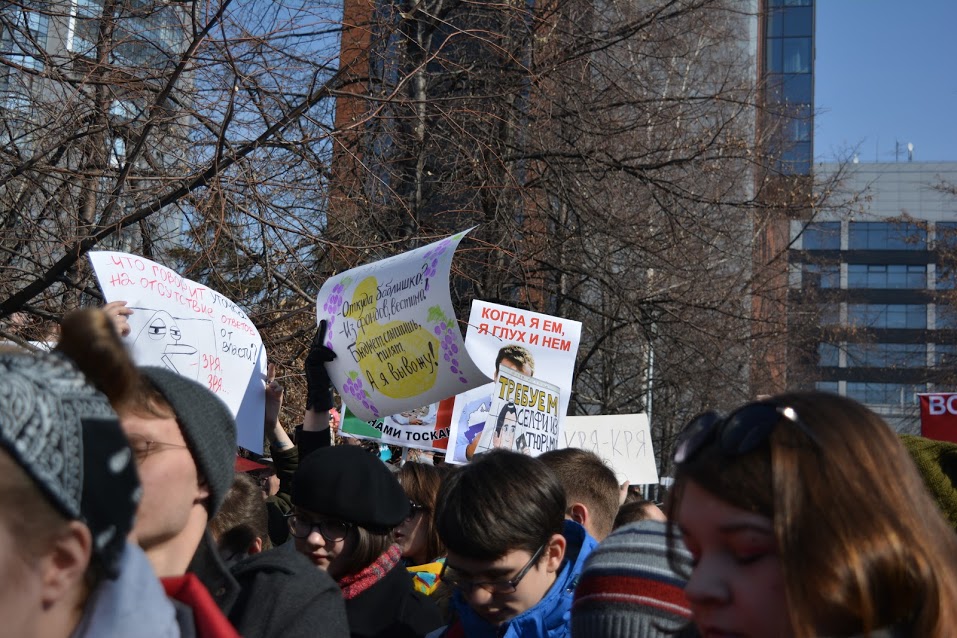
[886, 71]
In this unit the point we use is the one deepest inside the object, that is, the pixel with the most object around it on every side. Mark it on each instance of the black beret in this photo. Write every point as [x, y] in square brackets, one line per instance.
[349, 483]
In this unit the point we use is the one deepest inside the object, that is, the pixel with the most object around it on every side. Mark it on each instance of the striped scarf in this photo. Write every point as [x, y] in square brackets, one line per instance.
[354, 584]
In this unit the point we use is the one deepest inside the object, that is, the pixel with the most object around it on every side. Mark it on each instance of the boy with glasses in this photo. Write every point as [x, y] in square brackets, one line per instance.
[513, 559]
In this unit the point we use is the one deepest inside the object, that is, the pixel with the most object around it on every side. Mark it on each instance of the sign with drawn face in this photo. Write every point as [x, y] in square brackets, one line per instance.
[191, 330]
[394, 331]
[501, 339]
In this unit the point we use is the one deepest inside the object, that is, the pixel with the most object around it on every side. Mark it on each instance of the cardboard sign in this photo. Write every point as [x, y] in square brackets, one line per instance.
[938, 416]
[623, 442]
[192, 330]
[548, 345]
[392, 325]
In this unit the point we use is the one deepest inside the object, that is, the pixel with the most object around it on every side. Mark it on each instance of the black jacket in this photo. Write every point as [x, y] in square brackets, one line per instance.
[392, 608]
[282, 594]
[274, 594]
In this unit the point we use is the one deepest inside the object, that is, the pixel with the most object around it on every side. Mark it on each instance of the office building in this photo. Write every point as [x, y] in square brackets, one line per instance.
[878, 281]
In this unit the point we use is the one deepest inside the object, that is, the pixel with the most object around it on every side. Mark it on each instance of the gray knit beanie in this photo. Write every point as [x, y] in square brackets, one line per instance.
[207, 425]
[628, 588]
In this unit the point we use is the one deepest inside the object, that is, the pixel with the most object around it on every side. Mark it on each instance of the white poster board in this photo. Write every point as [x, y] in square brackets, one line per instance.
[623, 442]
[192, 330]
[550, 343]
[394, 331]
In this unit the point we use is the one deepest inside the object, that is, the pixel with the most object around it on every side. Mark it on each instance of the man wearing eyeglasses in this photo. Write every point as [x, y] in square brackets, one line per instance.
[513, 560]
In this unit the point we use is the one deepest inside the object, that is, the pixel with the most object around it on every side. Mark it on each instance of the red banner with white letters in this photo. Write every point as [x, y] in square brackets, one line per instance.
[938, 416]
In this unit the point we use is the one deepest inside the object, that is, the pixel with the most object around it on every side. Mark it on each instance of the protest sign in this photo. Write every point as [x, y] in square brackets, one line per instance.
[192, 330]
[523, 416]
[392, 325]
[530, 343]
[419, 428]
[623, 442]
[938, 416]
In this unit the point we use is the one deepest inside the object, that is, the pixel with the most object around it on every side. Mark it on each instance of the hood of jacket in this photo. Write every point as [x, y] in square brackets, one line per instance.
[134, 604]
[551, 616]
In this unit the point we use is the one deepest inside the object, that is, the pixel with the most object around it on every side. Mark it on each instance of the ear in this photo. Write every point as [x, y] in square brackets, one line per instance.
[578, 512]
[64, 566]
[555, 553]
[255, 547]
[202, 491]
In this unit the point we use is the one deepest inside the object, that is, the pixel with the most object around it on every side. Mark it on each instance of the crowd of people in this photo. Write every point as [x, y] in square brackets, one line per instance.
[126, 512]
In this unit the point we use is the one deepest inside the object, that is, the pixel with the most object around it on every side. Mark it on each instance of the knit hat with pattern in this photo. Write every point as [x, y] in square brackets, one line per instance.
[66, 437]
[628, 588]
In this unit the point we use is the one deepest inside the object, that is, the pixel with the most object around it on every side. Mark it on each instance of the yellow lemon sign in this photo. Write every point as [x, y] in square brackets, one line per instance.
[397, 358]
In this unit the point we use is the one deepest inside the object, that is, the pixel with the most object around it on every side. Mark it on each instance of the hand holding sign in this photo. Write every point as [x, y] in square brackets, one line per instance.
[318, 385]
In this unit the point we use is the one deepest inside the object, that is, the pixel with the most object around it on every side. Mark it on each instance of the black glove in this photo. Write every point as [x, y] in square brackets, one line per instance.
[318, 385]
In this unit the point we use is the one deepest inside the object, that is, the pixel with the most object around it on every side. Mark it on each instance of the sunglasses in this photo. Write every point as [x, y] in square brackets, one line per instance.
[738, 433]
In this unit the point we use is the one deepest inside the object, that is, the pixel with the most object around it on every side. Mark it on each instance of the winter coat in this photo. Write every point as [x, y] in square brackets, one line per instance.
[283, 595]
[392, 608]
[277, 593]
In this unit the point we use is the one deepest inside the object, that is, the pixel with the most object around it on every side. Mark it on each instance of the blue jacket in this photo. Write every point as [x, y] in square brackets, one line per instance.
[550, 618]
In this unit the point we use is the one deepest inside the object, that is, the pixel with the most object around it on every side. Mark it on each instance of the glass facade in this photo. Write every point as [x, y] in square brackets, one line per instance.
[886, 355]
[903, 394]
[910, 316]
[886, 276]
[893, 280]
[789, 71]
[821, 275]
[886, 236]
[822, 236]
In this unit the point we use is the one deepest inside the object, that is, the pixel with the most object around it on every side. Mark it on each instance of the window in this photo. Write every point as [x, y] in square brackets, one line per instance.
[886, 276]
[946, 233]
[822, 236]
[827, 386]
[829, 314]
[821, 276]
[945, 277]
[790, 21]
[913, 316]
[23, 36]
[884, 393]
[886, 355]
[886, 236]
[945, 355]
[828, 355]
[946, 316]
[85, 25]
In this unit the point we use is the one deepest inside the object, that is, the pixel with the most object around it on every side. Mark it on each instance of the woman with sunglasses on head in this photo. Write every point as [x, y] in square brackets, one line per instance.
[806, 517]
[346, 504]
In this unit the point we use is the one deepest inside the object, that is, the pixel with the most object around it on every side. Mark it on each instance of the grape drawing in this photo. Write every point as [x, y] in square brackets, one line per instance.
[353, 387]
[449, 348]
[331, 307]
